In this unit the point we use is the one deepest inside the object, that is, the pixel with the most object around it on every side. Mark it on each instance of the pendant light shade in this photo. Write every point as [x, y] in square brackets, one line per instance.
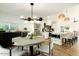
[40, 19]
[32, 4]
[21, 17]
[61, 16]
[67, 18]
[29, 19]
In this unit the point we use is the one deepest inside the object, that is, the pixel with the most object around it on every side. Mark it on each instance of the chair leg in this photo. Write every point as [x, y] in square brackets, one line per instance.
[38, 52]
[63, 42]
[49, 54]
[49, 49]
[10, 52]
[52, 52]
[22, 48]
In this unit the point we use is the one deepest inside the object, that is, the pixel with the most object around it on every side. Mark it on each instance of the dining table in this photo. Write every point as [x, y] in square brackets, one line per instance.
[24, 41]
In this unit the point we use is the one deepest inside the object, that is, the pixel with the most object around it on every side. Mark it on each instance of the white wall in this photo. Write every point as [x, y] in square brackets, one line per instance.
[20, 23]
[16, 20]
[72, 12]
[28, 25]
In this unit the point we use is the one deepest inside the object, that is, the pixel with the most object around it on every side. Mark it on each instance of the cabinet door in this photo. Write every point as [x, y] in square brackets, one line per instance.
[37, 29]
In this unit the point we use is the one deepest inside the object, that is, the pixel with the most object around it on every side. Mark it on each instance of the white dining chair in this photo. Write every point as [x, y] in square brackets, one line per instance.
[22, 48]
[11, 51]
[46, 47]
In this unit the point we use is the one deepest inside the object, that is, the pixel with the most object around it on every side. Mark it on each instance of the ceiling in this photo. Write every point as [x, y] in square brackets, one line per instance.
[16, 10]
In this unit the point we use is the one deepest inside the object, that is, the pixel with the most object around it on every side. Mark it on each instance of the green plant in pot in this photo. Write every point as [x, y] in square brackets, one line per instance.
[33, 36]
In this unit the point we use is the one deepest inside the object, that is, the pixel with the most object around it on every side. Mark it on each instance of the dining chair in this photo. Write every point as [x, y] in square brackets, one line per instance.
[21, 48]
[75, 38]
[11, 51]
[46, 47]
[68, 40]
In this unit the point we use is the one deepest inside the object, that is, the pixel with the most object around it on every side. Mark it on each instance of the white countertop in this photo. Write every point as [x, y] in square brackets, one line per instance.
[55, 32]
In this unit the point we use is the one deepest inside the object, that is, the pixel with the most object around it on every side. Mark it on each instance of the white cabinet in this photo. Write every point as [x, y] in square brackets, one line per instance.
[37, 29]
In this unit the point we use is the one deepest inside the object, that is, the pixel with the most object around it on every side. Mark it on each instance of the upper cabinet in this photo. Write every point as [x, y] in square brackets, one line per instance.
[37, 29]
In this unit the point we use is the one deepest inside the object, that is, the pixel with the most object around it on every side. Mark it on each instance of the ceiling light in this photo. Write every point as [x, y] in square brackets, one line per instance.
[32, 17]
[25, 21]
[31, 21]
[22, 17]
[40, 19]
[36, 21]
[67, 18]
[61, 16]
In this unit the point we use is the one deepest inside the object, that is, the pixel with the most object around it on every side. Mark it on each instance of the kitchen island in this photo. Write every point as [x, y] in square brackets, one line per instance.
[6, 38]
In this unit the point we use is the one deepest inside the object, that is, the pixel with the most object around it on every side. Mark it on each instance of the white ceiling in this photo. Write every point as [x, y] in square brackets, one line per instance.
[15, 10]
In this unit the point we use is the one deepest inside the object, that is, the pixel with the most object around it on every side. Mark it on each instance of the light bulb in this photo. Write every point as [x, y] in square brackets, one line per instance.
[21, 17]
[38, 22]
[34, 17]
[25, 21]
[31, 21]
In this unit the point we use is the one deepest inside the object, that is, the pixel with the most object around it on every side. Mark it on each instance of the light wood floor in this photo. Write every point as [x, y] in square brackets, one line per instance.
[66, 51]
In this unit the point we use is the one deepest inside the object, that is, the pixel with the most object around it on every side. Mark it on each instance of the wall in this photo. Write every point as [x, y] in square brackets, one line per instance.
[20, 23]
[28, 25]
[72, 13]
[53, 20]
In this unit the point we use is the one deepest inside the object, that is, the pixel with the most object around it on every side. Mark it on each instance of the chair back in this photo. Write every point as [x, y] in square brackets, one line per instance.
[24, 34]
[45, 35]
[75, 33]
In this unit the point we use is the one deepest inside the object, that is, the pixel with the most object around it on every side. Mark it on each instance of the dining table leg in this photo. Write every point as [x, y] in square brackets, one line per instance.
[10, 52]
[31, 50]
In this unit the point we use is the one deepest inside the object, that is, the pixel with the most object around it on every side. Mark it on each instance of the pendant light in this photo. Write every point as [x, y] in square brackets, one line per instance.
[66, 18]
[31, 18]
[61, 16]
